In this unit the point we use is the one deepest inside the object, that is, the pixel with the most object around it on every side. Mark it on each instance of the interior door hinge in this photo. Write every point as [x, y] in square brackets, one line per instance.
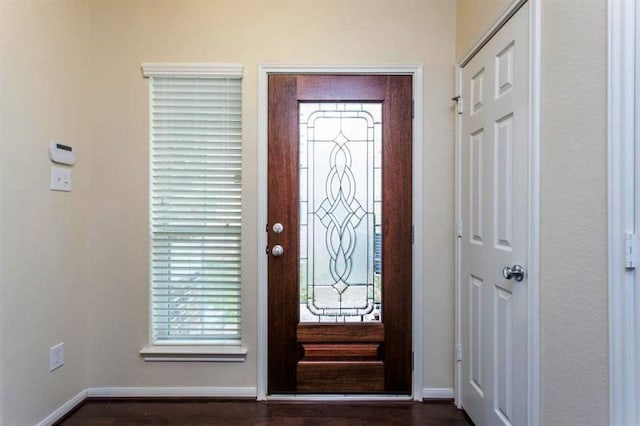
[458, 353]
[459, 229]
[413, 108]
[413, 360]
[631, 248]
[413, 234]
[459, 104]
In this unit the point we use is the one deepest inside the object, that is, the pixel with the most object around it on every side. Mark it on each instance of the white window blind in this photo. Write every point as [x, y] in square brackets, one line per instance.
[196, 153]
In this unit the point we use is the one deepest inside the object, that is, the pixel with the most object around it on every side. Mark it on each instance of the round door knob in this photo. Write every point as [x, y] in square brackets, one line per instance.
[277, 250]
[278, 228]
[516, 272]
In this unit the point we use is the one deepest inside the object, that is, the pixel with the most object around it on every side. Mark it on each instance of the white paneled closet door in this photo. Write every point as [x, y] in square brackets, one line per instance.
[494, 211]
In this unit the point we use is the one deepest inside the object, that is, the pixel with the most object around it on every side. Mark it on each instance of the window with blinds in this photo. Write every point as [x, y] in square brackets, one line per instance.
[195, 203]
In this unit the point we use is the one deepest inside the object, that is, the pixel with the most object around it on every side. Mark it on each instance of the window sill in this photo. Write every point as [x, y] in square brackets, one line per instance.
[194, 353]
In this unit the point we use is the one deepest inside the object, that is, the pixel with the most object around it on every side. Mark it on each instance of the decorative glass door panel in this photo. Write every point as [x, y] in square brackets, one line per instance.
[340, 179]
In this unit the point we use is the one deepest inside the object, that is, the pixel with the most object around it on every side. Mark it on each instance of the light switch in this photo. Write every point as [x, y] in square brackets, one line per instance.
[60, 179]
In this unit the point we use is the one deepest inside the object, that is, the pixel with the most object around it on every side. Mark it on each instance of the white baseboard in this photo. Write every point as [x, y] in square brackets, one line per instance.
[437, 393]
[61, 411]
[137, 392]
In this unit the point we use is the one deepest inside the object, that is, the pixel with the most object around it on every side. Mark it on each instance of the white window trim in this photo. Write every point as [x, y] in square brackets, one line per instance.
[416, 71]
[194, 353]
[185, 352]
[623, 117]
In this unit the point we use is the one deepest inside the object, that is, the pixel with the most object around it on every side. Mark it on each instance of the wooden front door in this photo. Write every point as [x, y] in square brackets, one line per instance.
[339, 234]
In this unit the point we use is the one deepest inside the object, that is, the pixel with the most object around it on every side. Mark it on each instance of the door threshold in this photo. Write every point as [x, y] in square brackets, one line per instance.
[338, 397]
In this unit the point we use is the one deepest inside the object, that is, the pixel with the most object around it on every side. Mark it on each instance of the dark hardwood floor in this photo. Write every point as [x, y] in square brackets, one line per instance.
[207, 412]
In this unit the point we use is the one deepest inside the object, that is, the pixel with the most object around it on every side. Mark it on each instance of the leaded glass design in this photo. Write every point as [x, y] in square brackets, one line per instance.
[340, 175]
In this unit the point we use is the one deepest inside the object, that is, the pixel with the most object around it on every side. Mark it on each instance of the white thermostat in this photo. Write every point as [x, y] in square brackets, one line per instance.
[62, 154]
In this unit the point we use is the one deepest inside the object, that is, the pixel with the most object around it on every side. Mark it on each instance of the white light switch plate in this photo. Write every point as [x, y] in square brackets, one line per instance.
[60, 179]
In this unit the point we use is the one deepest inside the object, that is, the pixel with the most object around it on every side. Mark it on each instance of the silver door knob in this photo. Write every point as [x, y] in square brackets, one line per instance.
[278, 228]
[516, 272]
[277, 250]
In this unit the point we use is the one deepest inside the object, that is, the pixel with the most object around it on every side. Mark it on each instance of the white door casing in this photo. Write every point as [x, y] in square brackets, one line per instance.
[624, 211]
[416, 70]
[494, 207]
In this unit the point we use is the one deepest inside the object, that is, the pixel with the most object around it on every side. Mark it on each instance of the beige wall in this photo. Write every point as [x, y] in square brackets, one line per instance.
[473, 17]
[44, 85]
[573, 291]
[573, 308]
[126, 33]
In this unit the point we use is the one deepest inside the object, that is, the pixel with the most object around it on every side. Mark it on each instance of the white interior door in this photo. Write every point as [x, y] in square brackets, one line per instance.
[494, 159]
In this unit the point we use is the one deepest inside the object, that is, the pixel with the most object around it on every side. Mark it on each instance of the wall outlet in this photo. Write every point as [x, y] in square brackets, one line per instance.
[56, 356]
[60, 179]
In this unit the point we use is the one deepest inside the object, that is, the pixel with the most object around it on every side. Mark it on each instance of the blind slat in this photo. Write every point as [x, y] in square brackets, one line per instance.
[164, 286]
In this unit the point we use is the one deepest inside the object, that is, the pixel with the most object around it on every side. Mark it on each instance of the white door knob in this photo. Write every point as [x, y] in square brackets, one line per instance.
[277, 250]
[516, 272]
